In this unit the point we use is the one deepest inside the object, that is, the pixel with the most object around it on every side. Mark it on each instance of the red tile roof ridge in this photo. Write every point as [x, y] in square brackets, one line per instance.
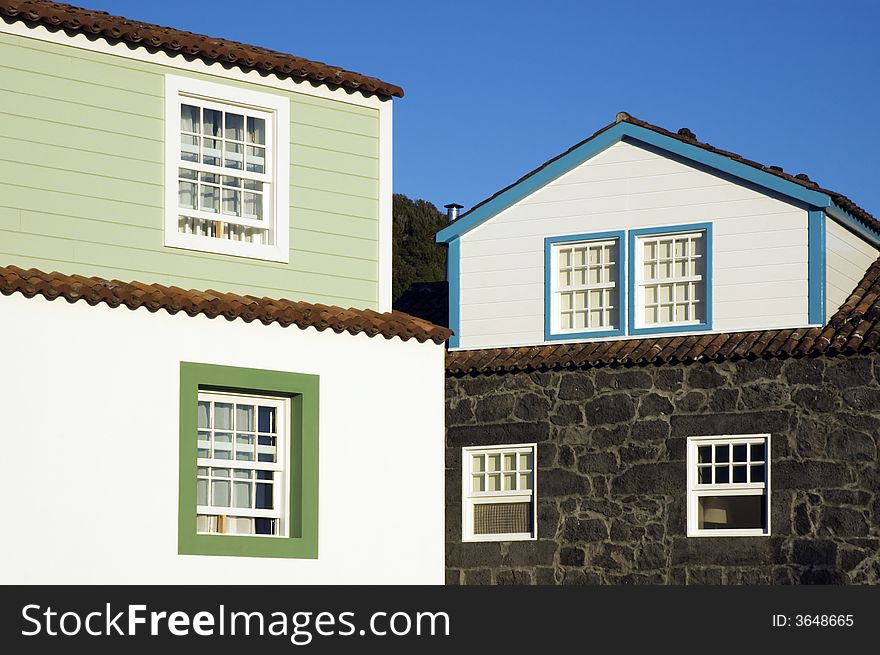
[853, 329]
[54, 15]
[211, 303]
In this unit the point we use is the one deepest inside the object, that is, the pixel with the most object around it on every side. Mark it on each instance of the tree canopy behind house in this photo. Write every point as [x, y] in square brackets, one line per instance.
[417, 258]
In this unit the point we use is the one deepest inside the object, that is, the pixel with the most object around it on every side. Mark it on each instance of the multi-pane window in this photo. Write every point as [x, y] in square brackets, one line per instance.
[586, 285]
[499, 493]
[671, 279]
[728, 485]
[227, 163]
[223, 172]
[241, 478]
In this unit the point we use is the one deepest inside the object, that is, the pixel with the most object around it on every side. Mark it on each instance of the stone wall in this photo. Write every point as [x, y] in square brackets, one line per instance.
[612, 471]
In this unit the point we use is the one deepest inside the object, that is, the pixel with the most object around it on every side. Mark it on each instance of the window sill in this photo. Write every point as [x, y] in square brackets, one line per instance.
[588, 334]
[669, 329]
[227, 247]
[729, 533]
[499, 537]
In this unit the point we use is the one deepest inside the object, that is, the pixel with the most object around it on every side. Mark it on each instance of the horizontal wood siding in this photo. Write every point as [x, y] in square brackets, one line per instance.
[848, 258]
[81, 181]
[760, 244]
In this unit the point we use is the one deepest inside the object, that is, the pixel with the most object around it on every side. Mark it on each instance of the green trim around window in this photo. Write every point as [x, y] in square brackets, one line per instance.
[302, 538]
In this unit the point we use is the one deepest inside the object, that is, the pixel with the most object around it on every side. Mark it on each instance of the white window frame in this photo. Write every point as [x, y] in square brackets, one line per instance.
[557, 290]
[471, 498]
[695, 490]
[639, 284]
[276, 206]
[280, 467]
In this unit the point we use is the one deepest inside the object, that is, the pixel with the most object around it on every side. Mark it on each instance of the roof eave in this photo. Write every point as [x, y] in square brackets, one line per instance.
[610, 136]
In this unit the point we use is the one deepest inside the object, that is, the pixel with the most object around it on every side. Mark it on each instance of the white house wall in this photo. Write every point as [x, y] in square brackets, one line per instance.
[760, 244]
[89, 400]
[848, 257]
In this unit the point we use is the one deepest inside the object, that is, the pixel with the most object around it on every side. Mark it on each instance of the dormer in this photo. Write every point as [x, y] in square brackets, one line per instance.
[638, 231]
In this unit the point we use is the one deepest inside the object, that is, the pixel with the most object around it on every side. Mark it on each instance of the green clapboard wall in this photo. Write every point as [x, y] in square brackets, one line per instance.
[81, 181]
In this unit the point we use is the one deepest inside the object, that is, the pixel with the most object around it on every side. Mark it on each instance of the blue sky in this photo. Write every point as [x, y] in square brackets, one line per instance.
[494, 88]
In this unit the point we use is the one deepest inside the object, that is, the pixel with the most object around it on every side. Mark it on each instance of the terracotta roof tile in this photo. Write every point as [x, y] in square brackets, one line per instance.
[854, 328]
[55, 15]
[215, 304]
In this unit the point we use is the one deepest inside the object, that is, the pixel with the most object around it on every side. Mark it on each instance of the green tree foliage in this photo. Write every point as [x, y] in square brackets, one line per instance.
[417, 258]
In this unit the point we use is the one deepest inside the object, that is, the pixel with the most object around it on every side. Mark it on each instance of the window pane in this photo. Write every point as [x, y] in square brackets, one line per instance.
[222, 445]
[256, 130]
[525, 481]
[242, 494]
[509, 461]
[201, 492]
[231, 202]
[739, 452]
[264, 496]
[478, 483]
[235, 126]
[204, 445]
[212, 120]
[704, 475]
[189, 119]
[267, 419]
[187, 195]
[265, 526]
[189, 148]
[509, 481]
[758, 452]
[704, 454]
[757, 473]
[477, 463]
[244, 447]
[731, 512]
[525, 461]
[244, 418]
[494, 482]
[223, 416]
[722, 475]
[234, 155]
[256, 159]
[722, 453]
[211, 153]
[253, 205]
[739, 474]
[494, 462]
[220, 493]
[210, 201]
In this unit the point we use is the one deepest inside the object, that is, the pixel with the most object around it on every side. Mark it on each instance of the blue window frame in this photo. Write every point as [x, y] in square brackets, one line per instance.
[584, 292]
[677, 294]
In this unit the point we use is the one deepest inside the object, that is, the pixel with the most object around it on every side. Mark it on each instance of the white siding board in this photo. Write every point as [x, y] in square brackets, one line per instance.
[848, 257]
[760, 244]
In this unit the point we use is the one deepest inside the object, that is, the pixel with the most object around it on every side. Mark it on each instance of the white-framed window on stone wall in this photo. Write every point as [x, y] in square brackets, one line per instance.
[227, 166]
[583, 285]
[241, 480]
[499, 493]
[728, 480]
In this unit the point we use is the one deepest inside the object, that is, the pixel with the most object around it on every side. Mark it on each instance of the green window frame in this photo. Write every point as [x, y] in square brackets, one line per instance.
[301, 541]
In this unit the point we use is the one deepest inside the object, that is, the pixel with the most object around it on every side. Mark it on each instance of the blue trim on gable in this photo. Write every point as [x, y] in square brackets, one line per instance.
[609, 137]
[519, 191]
[631, 287]
[548, 286]
[854, 225]
[816, 266]
[453, 277]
